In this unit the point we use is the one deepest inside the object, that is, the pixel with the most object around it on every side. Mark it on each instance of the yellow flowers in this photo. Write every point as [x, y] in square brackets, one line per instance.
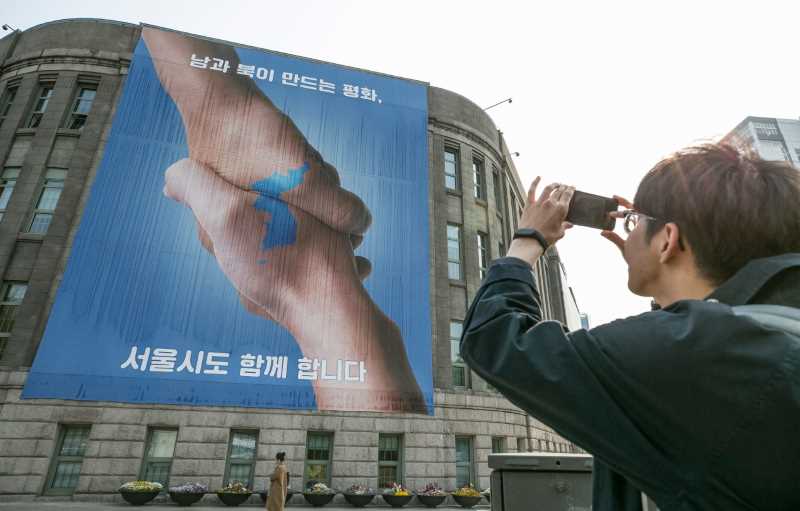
[467, 491]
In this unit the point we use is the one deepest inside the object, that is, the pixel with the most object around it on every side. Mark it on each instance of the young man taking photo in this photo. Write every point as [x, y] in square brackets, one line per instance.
[697, 404]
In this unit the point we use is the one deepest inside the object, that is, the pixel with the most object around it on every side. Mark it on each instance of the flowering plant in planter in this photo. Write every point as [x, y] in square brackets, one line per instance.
[398, 490]
[189, 488]
[141, 486]
[431, 490]
[320, 489]
[234, 487]
[467, 491]
[358, 489]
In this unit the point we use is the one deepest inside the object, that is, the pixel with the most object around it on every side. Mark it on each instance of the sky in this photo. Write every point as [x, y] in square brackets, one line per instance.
[601, 90]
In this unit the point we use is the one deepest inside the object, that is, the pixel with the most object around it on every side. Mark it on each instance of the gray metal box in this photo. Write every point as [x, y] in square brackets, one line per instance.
[539, 481]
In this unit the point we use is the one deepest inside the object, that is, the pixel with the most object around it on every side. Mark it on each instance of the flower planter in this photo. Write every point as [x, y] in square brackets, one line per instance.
[359, 500]
[431, 500]
[233, 499]
[318, 499]
[138, 498]
[185, 499]
[465, 501]
[397, 500]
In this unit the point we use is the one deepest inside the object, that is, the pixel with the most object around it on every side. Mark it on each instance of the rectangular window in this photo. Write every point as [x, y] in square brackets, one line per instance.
[158, 454]
[390, 460]
[39, 108]
[7, 101]
[12, 295]
[766, 130]
[501, 249]
[479, 177]
[451, 180]
[454, 252]
[483, 254]
[460, 372]
[241, 460]
[498, 444]
[498, 190]
[80, 107]
[464, 469]
[65, 469]
[8, 180]
[521, 444]
[318, 457]
[48, 200]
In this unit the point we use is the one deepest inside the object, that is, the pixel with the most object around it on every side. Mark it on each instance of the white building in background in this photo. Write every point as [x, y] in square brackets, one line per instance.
[771, 138]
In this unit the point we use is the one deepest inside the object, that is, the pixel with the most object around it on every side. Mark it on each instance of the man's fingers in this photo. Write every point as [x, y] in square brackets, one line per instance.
[622, 201]
[532, 190]
[548, 190]
[566, 195]
[614, 238]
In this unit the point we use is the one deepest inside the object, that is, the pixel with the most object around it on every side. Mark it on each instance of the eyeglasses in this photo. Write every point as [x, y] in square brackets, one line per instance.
[630, 219]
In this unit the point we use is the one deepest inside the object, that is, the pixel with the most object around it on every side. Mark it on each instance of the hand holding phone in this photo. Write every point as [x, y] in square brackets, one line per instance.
[591, 210]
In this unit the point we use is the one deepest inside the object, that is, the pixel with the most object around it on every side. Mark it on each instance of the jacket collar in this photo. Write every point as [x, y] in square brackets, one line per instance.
[748, 281]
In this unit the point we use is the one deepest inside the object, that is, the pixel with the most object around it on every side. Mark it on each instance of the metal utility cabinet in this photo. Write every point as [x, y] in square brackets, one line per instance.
[539, 481]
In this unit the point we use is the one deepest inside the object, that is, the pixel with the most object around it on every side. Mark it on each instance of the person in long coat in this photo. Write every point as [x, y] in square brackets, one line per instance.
[278, 484]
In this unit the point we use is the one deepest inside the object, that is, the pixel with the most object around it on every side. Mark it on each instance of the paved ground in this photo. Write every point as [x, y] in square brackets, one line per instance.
[50, 505]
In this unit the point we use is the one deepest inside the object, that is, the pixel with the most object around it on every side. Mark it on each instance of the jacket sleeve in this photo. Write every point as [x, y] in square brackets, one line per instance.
[551, 374]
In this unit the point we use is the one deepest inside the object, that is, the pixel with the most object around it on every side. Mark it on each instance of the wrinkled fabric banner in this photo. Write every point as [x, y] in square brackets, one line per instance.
[256, 235]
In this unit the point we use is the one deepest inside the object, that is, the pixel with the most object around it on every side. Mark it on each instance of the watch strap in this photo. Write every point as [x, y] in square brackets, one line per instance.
[532, 233]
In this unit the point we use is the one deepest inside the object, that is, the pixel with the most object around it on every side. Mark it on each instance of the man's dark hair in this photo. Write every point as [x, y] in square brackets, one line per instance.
[281, 456]
[730, 207]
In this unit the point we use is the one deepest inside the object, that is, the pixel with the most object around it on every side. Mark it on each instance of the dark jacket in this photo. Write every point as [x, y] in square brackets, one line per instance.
[696, 407]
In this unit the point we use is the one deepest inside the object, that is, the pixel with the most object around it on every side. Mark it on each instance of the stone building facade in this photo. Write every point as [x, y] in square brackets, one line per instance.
[59, 86]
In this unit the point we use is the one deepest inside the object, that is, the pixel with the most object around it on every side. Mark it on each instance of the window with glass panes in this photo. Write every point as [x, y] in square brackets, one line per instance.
[8, 180]
[39, 108]
[318, 456]
[7, 100]
[498, 444]
[65, 469]
[390, 454]
[460, 372]
[12, 295]
[483, 254]
[498, 189]
[454, 251]
[158, 455]
[451, 180]
[464, 466]
[521, 444]
[241, 461]
[479, 178]
[80, 107]
[48, 200]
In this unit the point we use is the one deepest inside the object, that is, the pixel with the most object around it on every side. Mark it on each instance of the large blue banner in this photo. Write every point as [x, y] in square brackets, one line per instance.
[256, 235]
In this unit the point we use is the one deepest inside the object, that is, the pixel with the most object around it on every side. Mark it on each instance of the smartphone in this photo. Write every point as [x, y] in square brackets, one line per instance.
[592, 210]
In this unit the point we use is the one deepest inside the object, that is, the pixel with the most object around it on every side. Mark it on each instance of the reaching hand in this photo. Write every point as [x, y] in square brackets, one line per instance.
[611, 236]
[548, 213]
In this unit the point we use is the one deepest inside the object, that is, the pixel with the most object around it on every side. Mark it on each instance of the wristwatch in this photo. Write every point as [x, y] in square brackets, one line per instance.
[531, 233]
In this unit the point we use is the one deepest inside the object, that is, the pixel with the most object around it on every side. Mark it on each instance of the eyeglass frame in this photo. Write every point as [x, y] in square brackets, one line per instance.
[627, 213]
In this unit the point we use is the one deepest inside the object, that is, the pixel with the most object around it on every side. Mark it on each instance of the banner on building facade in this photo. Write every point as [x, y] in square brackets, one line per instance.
[256, 235]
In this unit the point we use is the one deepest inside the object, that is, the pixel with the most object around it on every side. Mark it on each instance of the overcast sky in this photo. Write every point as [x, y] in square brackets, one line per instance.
[601, 90]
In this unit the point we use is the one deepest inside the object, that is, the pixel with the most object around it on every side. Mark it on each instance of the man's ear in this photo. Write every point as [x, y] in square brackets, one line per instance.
[669, 240]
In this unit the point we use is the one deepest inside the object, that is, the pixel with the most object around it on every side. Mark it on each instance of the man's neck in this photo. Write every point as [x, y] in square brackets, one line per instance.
[682, 287]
